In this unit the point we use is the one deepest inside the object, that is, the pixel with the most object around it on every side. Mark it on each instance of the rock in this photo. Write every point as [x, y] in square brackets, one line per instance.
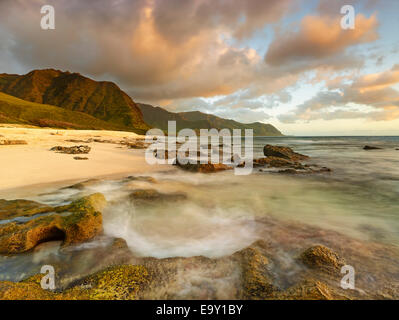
[371, 148]
[308, 290]
[90, 140]
[4, 142]
[136, 144]
[256, 281]
[119, 243]
[274, 162]
[323, 258]
[84, 184]
[81, 158]
[144, 196]
[203, 168]
[122, 282]
[141, 179]
[288, 171]
[283, 152]
[72, 150]
[78, 222]
[21, 208]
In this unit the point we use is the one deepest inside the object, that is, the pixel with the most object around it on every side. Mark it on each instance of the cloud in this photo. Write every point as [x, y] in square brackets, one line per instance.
[373, 91]
[319, 37]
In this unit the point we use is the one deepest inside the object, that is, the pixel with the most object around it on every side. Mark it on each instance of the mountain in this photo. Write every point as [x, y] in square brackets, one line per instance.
[71, 91]
[158, 118]
[18, 111]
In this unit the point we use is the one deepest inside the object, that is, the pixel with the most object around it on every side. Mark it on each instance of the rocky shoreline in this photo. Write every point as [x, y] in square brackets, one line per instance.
[105, 268]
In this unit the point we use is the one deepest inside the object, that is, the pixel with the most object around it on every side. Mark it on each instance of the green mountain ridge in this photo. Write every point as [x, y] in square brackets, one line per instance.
[17, 111]
[158, 117]
[101, 99]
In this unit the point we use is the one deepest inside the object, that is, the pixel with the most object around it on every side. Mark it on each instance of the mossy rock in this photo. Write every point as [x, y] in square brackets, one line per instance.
[115, 283]
[322, 258]
[78, 222]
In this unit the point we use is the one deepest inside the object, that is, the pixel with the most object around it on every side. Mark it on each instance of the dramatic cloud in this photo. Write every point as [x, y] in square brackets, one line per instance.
[319, 37]
[344, 102]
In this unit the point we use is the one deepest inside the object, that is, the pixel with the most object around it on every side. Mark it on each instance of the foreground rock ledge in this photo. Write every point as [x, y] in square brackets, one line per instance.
[78, 222]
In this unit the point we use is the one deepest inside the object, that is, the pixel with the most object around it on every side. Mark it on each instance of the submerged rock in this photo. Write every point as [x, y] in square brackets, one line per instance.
[72, 150]
[78, 222]
[323, 258]
[84, 184]
[283, 152]
[151, 195]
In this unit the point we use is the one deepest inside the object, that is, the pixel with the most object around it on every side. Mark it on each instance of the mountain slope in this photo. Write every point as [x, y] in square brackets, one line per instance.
[158, 118]
[103, 100]
[18, 111]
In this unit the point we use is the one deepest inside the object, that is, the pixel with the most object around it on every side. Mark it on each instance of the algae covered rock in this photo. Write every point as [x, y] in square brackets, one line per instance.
[323, 258]
[308, 290]
[256, 280]
[121, 282]
[80, 221]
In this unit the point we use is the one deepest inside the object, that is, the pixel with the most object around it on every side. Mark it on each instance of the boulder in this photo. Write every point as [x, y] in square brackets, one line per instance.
[322, 258]
[74, 223]
[283, 152]
[72, 150]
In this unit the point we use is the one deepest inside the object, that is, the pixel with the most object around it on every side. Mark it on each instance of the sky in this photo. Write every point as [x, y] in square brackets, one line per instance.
[284, 62]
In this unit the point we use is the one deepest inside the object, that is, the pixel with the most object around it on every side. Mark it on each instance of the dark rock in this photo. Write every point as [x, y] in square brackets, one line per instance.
[72, 150]
[371, 148]
[81, 158]
[283, 152]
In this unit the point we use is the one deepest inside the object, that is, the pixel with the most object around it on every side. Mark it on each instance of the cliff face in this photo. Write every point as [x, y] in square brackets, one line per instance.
[102, 100]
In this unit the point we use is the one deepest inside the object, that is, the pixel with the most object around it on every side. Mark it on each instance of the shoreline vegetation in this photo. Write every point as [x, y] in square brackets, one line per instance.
[113, 271]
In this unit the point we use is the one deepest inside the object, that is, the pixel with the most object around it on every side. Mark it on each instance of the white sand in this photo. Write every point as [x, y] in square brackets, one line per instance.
[34, 164]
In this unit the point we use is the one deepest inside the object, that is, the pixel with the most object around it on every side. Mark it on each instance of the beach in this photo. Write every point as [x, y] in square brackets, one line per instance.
[33, 164]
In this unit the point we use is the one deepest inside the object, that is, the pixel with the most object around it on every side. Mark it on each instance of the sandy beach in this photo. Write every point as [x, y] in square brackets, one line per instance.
[34, 164]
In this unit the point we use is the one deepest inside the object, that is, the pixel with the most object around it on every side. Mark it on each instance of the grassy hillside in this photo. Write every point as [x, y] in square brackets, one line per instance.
[72, 91]
[18, 111]
[158, 118]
